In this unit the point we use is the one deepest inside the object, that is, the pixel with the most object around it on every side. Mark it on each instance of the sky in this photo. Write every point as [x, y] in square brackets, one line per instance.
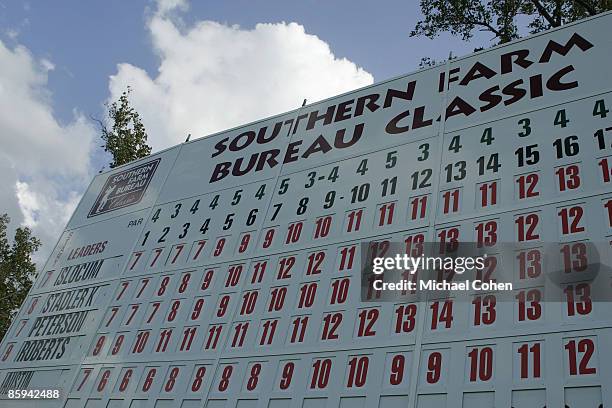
[194, 67]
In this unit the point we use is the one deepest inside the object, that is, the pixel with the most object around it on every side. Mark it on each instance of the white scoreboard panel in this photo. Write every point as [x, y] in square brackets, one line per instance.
[224, 272]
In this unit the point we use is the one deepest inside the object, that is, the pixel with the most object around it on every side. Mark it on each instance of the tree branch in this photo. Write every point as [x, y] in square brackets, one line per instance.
[487, 25]
[587, 6]
[558, 13]
[544, 13]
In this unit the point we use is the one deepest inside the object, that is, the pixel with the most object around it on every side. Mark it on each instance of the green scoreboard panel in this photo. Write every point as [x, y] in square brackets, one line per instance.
[225, 272]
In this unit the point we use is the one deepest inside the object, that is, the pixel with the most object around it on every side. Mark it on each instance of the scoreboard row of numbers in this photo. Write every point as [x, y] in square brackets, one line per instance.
[523, 363]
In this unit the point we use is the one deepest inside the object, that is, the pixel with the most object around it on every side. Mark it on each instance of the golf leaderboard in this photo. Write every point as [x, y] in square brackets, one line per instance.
[227, 271]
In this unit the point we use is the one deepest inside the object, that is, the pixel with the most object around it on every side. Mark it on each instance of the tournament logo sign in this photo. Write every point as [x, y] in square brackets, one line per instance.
[124, 188]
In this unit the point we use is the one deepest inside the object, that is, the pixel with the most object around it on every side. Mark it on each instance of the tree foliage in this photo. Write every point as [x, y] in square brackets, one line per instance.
[17, 270]
[501, 17]
[127, 139]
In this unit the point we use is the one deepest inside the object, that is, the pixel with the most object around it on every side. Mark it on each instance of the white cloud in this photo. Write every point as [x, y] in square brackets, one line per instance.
[213, 76]
[12, 33]
[47, 65]
[44, 165]
[164, 6]
[210, 77]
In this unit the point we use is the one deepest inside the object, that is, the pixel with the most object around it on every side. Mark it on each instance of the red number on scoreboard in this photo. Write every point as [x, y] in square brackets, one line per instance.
[488, 194]
[367, 319]
[184, 282]
[321, 370]
[441, 312]
[259, 268]
[249, 301]
[298, 330]
[219, 246]
[214, 333]
[133, 309]
[486, 233]
[86, 373]
[268, 329]
[398, 364]
[450, 201]
[570, 220]
[481, 364]
[105, 375]
[580, 353]
[331, 323]
[527, 227]
[530, 263]
[294, 232]
[198, 248]
[198, 378]
[163, 285]
[240, 332]
[98, 346]
[142, 337]
[197, 308]
[284, 267]
[154, 308]
[143, 285]
[135, 258]
[339, 290]
[418, 208]
[117, 345]
[385, 214]
[244, 241]
[171, 380]
[148, 380]
[357, 371]
[405, 318]
[353, 220]
[434, 367]
[124, 285]
[568, 177]
[112, 313]
[530, 360]
[173, 310]
[234, 273]
[527, 185]
[207, 280]
[308, 292]
[414, 245]
[176, 252]
[277, 299]
[486, 274]
[156, 256]
[268, 238]
[226, 375]
[125, 380]
[347, 257]
[529, 307]
[448, 239]
[222, 306]
[315, 260]
[189, 334]
[484, 310]
[578, 298]
[253, 379]
[323, 226]
[574, 257]
[286, 375]
[164, 338]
